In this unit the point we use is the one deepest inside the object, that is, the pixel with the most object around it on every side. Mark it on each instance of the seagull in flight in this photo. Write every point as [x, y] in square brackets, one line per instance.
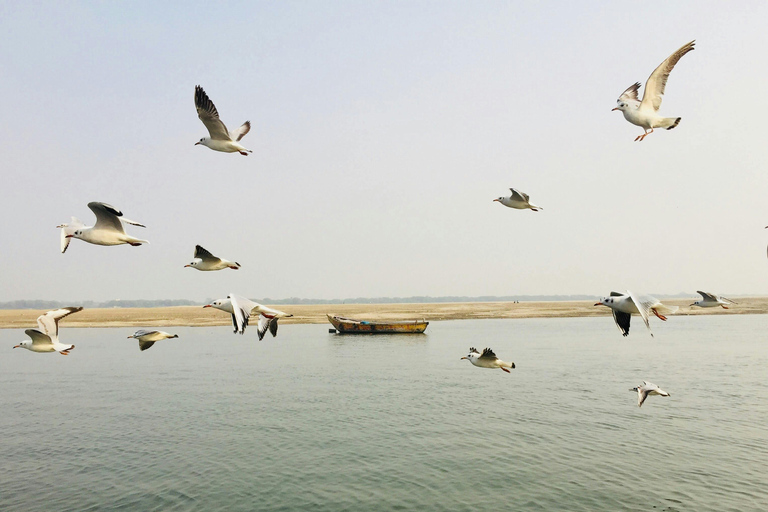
[487, 359]
[242, 309]
[204, 260]
[646, 389]
[644, 113]
[624, 305]
[108, 229]
[46, 338]
[709, 300]
[221, 139]
[148, 338]
[518, 200]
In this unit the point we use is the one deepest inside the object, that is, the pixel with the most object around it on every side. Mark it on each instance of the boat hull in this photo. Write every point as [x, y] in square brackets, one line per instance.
[350, 326]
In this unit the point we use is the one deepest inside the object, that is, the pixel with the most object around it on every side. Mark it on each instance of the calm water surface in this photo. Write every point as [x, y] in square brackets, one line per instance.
[321, 422]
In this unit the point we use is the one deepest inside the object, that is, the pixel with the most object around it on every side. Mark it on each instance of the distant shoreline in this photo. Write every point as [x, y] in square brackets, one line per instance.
[197, 316]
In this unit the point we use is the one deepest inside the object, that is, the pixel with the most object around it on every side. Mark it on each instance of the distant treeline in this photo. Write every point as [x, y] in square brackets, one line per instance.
[51, 304]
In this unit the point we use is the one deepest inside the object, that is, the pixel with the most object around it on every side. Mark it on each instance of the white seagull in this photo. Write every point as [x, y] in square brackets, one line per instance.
[518, 200]
[487, 359]
[148, 338]
[46, 339]
[221, 139]
[204, 260]
[624, 305]
[644, 113]
[709, 300]
[108, 229]
[646, 389]
[241, 310]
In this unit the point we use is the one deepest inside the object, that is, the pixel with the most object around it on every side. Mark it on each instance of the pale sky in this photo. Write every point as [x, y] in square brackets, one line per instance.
[382, 131]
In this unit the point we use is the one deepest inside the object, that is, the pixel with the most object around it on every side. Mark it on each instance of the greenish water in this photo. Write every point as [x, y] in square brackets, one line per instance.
[321, 422]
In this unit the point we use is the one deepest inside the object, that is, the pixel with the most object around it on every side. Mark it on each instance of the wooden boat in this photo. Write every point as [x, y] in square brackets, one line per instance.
[350, 326]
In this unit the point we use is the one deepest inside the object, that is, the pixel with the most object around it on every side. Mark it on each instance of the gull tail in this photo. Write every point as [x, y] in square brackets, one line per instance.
[670, 122]
[666, 310]
[135, 241]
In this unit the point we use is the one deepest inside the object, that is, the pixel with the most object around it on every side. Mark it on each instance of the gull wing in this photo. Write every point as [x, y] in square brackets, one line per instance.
[643, 305]
[107, 216]
[39, 339]
[49, 322]
[273, 327]
[631, 93]
[263, 326]
[132, 222]
[520, 196]
[622, 321]
[241, 312]
[69, 229]
[488, 354]
[208, 114]
[642, 394]
[706, 296]
[657, 82]
[239, 133]
[142, 332]
[729, 301]
[144, 345]
[204, 255]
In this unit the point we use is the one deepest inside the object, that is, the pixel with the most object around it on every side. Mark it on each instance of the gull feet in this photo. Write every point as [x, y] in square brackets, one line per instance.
[662, 317]
[506, 370]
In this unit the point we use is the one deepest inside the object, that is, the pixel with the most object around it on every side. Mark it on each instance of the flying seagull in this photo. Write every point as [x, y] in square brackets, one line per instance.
[487, 359]
[148, 338]
[624, 305]
[241, 310]
[46, 338]
[108, 229]
[644, 113]
[646, 389]
[204, 260]
[709, 300]
[518, 200]
[221, 139]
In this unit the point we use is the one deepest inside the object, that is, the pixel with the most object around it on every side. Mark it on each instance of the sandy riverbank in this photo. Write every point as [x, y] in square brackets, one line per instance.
[315, 314]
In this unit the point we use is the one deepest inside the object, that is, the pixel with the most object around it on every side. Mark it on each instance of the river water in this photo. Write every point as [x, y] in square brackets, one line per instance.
[322, 422]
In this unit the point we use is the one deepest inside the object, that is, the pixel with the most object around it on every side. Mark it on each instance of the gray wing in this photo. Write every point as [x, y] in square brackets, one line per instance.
[706, 296]
[643, 305]
[630, 93]
[107, 216]
[520, 196]
[144, 345]
[657, 82]
[239, 133]
[49, 322]
[622, 321]
[488, 354]
[204, 255]
[208, 114]
[241, 312]
[142, 332]
[39, 339]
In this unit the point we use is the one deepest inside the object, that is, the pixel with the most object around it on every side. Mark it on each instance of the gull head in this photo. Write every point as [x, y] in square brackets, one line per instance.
[75, 234]
[696, 303]
[23, 344]
[218, 304]
[605, 301]
[203, 141]
[192, 264]
[498, 199]
[620, 105]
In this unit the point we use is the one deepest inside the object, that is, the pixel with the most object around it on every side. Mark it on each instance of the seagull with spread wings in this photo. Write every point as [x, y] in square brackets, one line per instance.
[220, 138]
[487, 359]
[206, 261]
[710, 300]
[624, 305]
[148, 338]
[242, 309]
[46, 338]
[518, 200]
[108, 229]
[644, 113]
[648, 388]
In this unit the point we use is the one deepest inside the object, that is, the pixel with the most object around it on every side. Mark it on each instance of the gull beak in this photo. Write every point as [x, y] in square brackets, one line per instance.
[207, 306]
[615, 108]
[196, 143]
[17, 346]
[185, 266]
[465, 357]
[68, 236]
[129, 337]
[495, 200]
[598, 303]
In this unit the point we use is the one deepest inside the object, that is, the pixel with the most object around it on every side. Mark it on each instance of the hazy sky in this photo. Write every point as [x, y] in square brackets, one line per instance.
[382, 131]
